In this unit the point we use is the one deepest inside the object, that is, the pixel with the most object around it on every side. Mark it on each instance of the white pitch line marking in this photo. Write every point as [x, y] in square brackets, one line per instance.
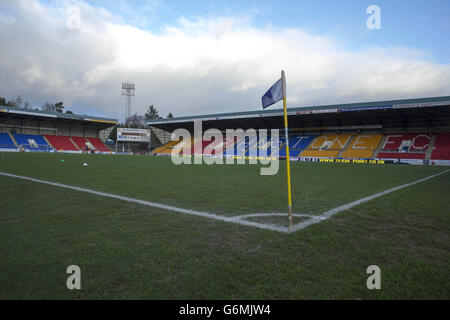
[275, 214]
[332, 212]
[234, 219]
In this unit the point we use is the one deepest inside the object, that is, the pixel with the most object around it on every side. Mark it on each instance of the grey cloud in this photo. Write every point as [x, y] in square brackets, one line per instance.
[194, 67]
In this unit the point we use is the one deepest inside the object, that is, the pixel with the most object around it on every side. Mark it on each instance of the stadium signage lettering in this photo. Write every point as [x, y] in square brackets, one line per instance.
[421, 104]
[325, 111]
[353, 161]
[367, 108]
[133, 135]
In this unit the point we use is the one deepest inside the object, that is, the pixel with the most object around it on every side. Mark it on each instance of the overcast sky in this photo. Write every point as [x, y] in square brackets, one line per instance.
[200, 57]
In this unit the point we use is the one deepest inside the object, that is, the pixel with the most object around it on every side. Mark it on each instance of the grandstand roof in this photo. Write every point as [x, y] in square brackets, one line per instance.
[430, 111]
[30, 114]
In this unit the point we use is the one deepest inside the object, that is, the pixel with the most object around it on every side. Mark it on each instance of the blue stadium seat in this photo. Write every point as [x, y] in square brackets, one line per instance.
[297, 143]
[252, 147]
[6, 142]
[32, 142]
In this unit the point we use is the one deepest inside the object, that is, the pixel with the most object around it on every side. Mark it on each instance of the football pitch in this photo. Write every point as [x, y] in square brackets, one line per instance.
[213, 232]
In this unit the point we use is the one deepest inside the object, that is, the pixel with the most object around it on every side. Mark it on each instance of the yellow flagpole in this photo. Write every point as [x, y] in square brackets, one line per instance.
[288, 166]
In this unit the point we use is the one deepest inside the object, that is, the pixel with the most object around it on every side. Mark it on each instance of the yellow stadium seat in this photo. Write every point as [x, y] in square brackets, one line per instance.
[167, 148]
[363, 146]
[327, 146]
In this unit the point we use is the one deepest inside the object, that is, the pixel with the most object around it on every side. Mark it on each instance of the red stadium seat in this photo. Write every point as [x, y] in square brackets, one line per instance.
[61, 143]
[80, 142]
[418, 142]
[66, 143]
[98, 144]
[441, 150]
[401, 155]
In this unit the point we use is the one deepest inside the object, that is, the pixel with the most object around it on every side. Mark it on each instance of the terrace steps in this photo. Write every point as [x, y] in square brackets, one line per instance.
[347, 145]
[73, 142]
[13, 140]
[45, 138]
[430, 147]
[380, 145]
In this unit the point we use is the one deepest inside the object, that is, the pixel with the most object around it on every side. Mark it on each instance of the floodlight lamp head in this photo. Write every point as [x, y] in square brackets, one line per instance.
[128, 89]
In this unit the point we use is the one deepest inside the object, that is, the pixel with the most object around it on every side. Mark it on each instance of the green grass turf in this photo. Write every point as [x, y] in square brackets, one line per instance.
[131, 251]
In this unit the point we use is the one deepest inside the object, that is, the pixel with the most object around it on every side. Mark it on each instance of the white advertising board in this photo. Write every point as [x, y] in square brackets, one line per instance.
[133, 135]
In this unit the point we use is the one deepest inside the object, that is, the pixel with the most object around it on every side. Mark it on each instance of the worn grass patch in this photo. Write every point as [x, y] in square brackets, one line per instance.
[282, 221]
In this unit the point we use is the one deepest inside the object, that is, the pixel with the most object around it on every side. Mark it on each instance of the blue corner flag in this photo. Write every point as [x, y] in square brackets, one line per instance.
[273, 95]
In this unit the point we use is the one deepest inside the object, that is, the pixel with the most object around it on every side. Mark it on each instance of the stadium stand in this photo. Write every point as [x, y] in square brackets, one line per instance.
[98, 144]
[392, 142]
[246, 147]
[362, 146]
[327, 145]
[419, 142]
[405, 146]
[441, 150]
[348, 130]
[80, 142]
[6, 142]
[414, 142]
[210, 147]
[264, 147]
[196, 147]
[252, 147]
[296, 145]
[229, 145]
[32, 142]
[61, 143]
[219, 147]
[161, 148]
[186, 146]
[165, 149]
[280, 150]
[398, 155]
[37, 130]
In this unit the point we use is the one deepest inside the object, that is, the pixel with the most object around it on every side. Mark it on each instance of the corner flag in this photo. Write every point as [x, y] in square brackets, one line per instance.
[276, 93]
[273, 95]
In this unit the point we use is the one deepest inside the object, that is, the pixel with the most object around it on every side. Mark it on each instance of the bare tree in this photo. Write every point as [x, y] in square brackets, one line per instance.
[135, 121]
[49, 107]
[16, 102]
